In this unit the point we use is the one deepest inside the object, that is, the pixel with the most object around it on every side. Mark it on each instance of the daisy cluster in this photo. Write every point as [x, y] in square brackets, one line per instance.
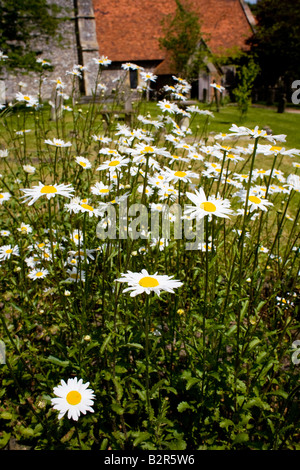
[51, 239]
[159, 162]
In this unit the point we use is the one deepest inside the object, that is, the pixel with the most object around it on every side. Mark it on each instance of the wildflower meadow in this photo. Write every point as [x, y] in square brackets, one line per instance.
[149, 294]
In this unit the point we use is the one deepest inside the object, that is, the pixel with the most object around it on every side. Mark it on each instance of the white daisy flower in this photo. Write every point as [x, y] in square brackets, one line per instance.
[49, 191]
[6, 251]
[178, 175]
[4, 197]
[255, 201]
[160, 242]
[42, 62]
[218, 87]
[143, 282]
[103, 60]
[23, 131]
[101, 138]
[77, 237]
[239, 131]
[130, 66]
[114, 164]
[4, 233]
[207, 206]
[293, 182]
[148, 76]
[58, 143]
[25, 228]
[29, 169]
[59, 84]
[29, 100]
[81, 254]
[38, 273]
[75, 275]
[101, 189]
[83, 162]
[3, 153]
[74, 397]
[167, 106]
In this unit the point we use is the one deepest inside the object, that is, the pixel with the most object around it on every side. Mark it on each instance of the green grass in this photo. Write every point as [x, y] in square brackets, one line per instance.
[286, 123]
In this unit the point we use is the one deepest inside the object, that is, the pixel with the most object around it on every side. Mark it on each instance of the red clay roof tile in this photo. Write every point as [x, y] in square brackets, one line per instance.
[128, 30]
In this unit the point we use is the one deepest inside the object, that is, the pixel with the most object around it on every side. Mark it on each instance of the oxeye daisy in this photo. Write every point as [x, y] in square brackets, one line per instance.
[167, 106]
[103, 60]
[83, 162]
[4, 197]
[58, 143]
[29, 100]
[293, 182]
[161, 243]
[25, 228]
[29, 169]
[77, 237]
[6, 251]
[74, 397]
[114, 164]
[4, 233]
[101, 189]
[49, 191]
[148, 76]
[38, 273]
[75, 275]
[3, 153]
[218, 87]
[179, 175]
[207, 206]
[143, 282]
[91, 210]
[255, 200]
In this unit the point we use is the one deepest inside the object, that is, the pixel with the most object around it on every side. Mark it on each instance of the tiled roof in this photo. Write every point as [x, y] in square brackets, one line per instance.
[129, 30]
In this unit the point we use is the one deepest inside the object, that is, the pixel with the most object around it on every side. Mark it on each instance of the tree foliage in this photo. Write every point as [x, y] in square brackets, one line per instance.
[275, 43]
[22, 24]
[246, 75]
[181, 38]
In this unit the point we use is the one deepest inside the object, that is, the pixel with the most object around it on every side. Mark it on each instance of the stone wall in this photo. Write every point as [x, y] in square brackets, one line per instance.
[74, 44]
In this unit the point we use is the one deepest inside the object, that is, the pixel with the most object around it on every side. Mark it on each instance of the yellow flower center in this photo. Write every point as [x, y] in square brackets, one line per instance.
[73, 397]
[27, 98]
[114, 163]
[148, 149]
[104, 190]
[261, 171]
[9, 251]
[254, 199]
[86, 206]
[82, 164]
[40, 245]
[180, 174]
[48, 190]
[39, 274]
[1, 196]
[276, 149]
[208, 206]
[148, 281]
